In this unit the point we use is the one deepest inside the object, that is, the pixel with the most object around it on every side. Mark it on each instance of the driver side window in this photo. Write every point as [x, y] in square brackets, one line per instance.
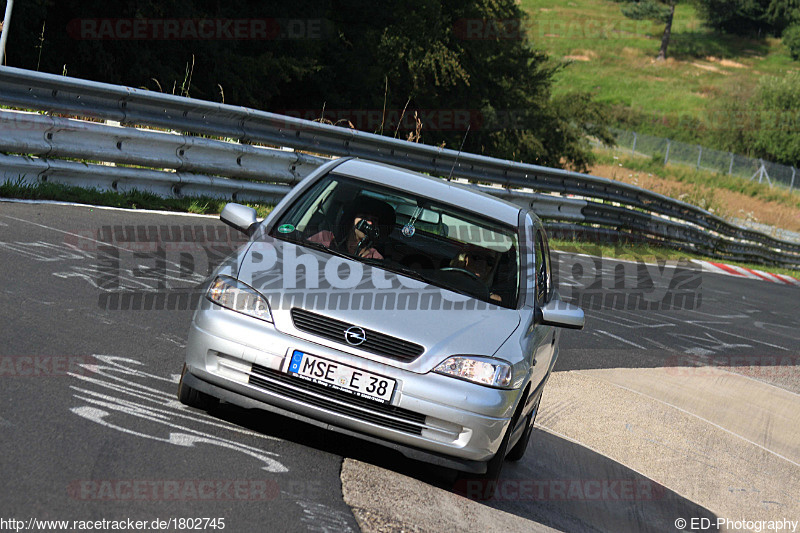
[542, 269]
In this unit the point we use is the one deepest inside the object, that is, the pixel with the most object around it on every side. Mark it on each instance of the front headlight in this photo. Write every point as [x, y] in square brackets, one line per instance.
[236, 296]
[481, 370]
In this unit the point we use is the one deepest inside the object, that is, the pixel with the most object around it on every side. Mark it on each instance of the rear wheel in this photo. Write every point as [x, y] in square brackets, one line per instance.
[193, 397]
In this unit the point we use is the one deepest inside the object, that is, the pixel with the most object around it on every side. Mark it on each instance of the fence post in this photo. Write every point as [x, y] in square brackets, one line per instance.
[699, 156]
[791, 185]
[666, 156]
[633, 150]
[730, 167]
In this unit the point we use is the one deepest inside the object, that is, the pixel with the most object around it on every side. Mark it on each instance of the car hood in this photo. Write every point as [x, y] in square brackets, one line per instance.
[443, 322]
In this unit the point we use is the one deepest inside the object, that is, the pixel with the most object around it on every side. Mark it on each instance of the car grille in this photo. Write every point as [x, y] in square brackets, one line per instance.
[384, 415]
[377, 343]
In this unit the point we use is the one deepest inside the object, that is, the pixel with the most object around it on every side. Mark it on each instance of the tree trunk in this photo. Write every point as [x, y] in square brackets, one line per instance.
[662, 54]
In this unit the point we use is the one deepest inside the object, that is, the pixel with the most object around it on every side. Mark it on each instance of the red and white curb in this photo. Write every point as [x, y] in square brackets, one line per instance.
[731, 270]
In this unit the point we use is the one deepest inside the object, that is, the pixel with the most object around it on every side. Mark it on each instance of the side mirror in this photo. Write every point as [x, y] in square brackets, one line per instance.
[240, 217]
[561, 315]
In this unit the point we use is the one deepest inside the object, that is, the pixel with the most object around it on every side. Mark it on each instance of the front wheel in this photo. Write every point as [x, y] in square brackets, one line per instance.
[193, 397]
[483, 486]
[519, 448]
[518, 451]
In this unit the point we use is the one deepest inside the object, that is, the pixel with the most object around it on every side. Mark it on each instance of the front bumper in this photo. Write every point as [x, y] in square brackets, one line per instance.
[430, 417]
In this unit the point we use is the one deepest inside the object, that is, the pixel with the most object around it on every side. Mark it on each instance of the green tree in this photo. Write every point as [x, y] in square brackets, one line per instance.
[658, 10]
[434, 57]
[469, 57]
[777, 105]
[784, 12]
[750, 17]
[791, 38]
[251, 71]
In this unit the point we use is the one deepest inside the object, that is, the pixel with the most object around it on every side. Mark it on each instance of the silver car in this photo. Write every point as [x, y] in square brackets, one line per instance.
[400, 308]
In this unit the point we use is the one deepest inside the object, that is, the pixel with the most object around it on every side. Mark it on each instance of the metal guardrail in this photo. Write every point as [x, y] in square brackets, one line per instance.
[180, 164]
[229, 164]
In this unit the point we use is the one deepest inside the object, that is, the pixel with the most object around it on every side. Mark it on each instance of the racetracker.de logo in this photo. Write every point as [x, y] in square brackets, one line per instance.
[45, 366]
[174, 489]
[207, 29]
[561, 490]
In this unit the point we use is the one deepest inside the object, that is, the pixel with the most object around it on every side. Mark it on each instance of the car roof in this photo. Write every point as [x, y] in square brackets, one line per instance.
[433, 188]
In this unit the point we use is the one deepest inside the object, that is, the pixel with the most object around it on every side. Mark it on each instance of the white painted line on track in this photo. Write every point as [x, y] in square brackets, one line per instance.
[620, 339]
[108, 208]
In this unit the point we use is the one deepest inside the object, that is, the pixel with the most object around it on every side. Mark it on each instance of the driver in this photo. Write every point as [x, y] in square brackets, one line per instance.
[478, 263]
[357, 237]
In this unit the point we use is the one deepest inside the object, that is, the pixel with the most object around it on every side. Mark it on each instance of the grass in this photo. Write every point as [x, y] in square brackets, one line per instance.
[682, 98]
[129, 200]
[729, 197]
[655, 166]
[613, 58]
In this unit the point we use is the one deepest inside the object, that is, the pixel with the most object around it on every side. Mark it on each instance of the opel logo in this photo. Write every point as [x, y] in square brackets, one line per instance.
[355, 335]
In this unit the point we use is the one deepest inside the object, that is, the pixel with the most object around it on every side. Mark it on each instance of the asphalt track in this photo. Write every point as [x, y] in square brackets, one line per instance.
[670, 409]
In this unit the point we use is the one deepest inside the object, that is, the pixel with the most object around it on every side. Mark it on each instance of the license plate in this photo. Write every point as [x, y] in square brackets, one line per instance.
[341, 377]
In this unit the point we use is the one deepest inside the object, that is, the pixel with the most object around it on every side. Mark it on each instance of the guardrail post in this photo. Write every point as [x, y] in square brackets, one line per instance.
[666, 156]
[633, 150]
[4, 35]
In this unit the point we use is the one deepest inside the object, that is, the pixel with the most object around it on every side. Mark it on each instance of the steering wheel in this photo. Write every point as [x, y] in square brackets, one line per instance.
[461, 271]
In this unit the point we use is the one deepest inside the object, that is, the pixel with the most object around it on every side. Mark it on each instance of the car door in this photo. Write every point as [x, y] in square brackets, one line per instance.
[544, 293]
[538, 339]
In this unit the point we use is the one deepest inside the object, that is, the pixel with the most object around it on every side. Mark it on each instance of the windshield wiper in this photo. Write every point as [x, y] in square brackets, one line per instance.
[322, 247]
[390, 266]
[396, 268]
[313, 245]
[406, 271]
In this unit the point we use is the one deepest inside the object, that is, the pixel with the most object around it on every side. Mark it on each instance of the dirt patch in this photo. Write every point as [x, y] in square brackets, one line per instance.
[710, 68]
[722, 202]
[580, 54]
[725, 62]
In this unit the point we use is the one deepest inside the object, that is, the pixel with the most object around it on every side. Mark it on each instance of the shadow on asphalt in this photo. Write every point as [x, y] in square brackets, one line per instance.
[559, 483]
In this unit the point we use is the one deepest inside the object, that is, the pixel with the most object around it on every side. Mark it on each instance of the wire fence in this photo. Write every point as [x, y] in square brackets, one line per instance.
[702, 158]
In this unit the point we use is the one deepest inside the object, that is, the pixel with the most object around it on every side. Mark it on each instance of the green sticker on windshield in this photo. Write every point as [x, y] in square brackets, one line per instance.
[285, 228]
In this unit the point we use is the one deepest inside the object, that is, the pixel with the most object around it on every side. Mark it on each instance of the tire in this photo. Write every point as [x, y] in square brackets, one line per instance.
[484, 486]
[518, 451]
[193, 397]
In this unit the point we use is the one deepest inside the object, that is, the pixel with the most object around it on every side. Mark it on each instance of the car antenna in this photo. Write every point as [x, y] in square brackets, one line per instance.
[459, 152]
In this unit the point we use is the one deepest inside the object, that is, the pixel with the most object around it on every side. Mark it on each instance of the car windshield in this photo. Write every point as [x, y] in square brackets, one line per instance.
[411, 235]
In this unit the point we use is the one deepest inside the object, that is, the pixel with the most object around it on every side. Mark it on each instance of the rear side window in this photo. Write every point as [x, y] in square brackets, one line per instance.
[540, 267]
[541, 273]
[544, 271]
